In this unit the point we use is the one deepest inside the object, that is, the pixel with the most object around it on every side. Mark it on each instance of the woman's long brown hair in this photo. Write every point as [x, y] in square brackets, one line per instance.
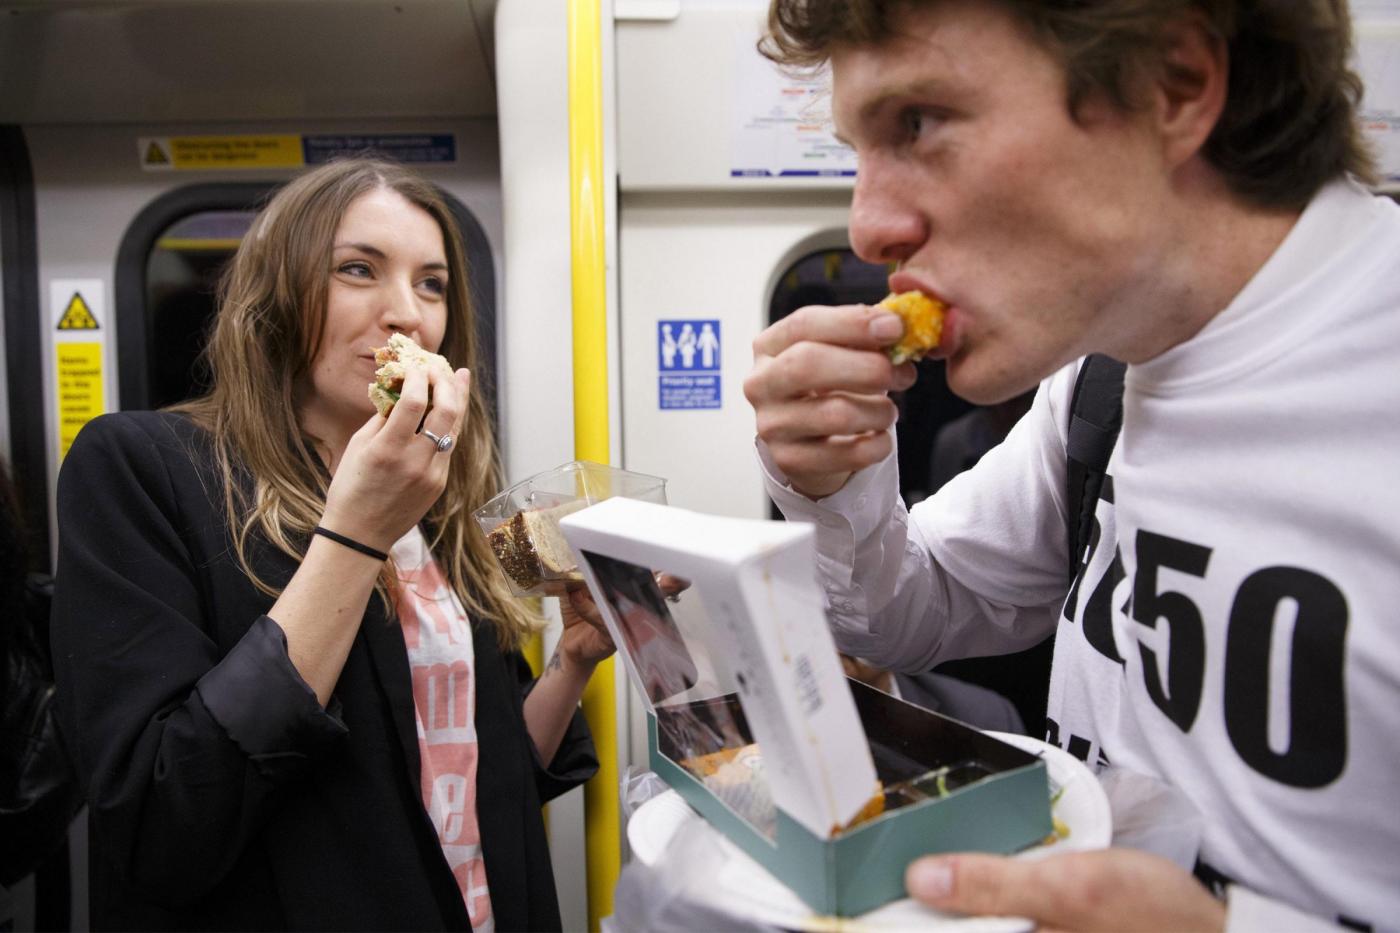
[272, 310]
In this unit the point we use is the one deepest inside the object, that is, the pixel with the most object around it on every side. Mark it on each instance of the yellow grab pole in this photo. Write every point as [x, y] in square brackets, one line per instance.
[601, 811]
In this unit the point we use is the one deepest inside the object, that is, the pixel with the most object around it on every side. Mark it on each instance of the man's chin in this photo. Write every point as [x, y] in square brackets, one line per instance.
[973, 380]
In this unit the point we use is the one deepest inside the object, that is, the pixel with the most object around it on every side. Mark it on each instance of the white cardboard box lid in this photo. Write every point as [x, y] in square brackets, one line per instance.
[757, 580]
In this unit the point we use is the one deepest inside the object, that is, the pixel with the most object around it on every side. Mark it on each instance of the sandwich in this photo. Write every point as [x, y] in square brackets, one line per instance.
[532, 549]
[923, 324]
[394, 362]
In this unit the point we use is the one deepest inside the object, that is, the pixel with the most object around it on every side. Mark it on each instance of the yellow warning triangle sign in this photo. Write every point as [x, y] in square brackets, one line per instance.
[77, 316]
[155, 155]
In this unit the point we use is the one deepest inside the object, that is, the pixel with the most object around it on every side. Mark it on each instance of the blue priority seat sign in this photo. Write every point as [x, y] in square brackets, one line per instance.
[688, 356]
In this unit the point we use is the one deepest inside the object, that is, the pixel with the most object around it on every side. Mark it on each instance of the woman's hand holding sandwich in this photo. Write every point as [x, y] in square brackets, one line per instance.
[391, 472]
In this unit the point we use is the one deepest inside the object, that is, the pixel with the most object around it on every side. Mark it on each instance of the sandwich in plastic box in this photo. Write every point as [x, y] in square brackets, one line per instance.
[833, 786]
[522, 522]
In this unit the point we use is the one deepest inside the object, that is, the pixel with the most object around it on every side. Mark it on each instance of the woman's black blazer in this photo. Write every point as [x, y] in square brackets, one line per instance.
[221, 795]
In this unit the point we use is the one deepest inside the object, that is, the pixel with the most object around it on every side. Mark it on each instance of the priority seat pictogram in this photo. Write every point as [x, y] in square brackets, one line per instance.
[77, 316]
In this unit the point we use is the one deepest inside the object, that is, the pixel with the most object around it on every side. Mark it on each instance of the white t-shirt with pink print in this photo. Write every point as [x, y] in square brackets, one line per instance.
[443, 666]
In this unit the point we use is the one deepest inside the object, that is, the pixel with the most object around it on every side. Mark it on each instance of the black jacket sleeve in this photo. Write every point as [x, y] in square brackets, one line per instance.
[181, 730]
[576, 760]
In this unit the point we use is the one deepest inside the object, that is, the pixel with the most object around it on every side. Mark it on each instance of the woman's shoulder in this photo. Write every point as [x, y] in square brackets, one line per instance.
[124, 428]
[137, 437]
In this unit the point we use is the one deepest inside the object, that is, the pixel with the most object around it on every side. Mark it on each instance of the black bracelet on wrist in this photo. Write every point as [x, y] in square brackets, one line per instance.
[351, 543]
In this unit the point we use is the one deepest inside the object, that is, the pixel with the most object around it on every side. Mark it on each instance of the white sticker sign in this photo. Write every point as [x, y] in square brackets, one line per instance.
[782, 122]
[688, 356]
[1378, 61]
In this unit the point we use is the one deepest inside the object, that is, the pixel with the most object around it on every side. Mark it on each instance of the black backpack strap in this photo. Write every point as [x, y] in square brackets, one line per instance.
[1095, 416]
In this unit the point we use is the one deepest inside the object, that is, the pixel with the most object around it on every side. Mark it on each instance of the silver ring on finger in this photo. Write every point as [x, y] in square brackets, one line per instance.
[443, 443]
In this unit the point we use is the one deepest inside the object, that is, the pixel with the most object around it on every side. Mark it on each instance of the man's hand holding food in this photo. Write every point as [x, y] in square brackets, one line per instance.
[820, 385]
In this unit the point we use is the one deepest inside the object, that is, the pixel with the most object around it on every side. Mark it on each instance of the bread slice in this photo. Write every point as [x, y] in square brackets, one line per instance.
[532, 549]
[394, 362]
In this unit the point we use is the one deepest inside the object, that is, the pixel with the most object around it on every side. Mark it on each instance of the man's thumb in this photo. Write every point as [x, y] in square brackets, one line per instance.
[971, 884]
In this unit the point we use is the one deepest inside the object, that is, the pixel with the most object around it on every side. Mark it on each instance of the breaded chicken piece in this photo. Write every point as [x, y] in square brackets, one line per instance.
[923, 324]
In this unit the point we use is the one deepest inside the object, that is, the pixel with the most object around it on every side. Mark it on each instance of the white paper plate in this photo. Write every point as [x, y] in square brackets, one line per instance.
[745, 889]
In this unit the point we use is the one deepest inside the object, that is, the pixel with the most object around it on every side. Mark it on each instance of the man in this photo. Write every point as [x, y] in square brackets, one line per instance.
[1171, 184]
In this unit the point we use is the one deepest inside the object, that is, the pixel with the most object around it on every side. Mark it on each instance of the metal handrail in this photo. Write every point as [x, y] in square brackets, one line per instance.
[591, 441]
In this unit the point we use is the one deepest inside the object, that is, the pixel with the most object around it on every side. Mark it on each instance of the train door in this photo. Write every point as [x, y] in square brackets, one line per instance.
[733, 205]
[732, 211]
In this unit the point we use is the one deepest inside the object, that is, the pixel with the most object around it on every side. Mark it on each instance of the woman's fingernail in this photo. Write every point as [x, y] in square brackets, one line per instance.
[886, 327]
[930, 879]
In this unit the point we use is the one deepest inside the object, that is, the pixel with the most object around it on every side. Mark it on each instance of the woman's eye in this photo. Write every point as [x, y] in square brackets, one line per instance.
[355, 268]
[435, 286]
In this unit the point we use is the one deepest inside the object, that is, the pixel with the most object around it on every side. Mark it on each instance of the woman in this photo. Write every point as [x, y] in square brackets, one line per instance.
[281, 729]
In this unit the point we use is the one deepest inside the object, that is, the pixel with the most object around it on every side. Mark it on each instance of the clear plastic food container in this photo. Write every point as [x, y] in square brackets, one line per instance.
[522, 522]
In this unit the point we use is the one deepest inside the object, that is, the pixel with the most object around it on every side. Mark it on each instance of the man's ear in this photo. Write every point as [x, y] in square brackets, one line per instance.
[1190, 89]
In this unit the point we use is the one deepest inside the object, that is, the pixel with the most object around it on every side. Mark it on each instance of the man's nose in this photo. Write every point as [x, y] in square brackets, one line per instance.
[886, 224]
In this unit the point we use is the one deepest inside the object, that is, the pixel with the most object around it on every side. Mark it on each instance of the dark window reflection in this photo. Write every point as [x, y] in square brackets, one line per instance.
[182, 275]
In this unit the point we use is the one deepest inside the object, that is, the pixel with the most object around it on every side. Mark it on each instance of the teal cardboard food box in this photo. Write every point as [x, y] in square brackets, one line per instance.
[832, 786]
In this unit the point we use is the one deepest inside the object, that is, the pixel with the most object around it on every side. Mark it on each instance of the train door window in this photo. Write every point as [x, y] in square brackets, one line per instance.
[182, 276]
